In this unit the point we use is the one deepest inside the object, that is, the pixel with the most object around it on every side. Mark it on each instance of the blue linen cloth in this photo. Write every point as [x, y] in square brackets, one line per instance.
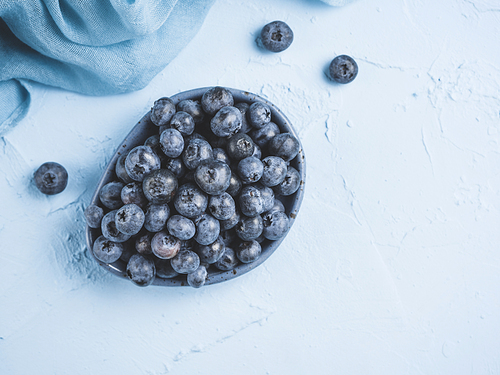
[95, 47]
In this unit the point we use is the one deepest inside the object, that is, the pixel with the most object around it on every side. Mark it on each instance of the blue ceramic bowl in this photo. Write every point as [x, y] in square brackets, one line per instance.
[144, 129]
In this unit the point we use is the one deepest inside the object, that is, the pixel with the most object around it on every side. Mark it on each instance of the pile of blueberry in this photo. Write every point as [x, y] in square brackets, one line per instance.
[201, 196]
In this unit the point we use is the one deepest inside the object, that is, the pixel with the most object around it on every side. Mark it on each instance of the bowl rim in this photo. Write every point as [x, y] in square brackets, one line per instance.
[145, 128]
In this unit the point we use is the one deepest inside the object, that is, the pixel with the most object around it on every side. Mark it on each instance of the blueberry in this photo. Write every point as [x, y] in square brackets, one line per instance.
[251, 201]
[235, 185]
[176, 166]
[132, 193]
[274, 171]
[181, 227]
[262, 136]
[156, 217]
[109, 230]
[110, 195]
[207, 229]
[193, 107]
[183, 122]
[275, 225]
[231, 222]
[240, 146]
[245, 126]
[221, 155]
[248, 251]
[107, 251]
[222, 206]
[276, 36]
[140, 161]
[164, 269]
[226, 122]
[141, 270]
[190, 201]
[197, 278]
[195, 152]
[120, 171]
[216, 98]
[93, 216]
[211, 253]
[290, 183]
[267, 195]
[172, 143]
[143, 244]
[51, 178]
[257, 152]
[165, 246]
[162, 111]
[185, 261]
[160, 186]
[227, 261]
[195, 135]
[259, 115]
[213, 176]
[154, 143]
[277, 206]
[250, 170]
[285, 145]
[129, 219]
[249, 228]
[343, 69]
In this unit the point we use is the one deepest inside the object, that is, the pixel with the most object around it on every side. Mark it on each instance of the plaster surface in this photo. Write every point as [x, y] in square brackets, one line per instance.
[392, 266]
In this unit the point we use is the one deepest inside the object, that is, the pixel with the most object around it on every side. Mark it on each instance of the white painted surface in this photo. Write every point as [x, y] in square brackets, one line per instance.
[392, 266]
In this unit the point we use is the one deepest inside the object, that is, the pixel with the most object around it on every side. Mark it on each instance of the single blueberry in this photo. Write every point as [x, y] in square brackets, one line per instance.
[183, 122]
[129, 219]
[194, 108]
[109, 230]
[227, 261]
[235, 185]
[172, 143]
[110, 195]
[185, 261]
[132, 193]
[248, 251]
[262, 136]
[290, 183]
[231, 222]
[106, 250]
[190, 201]
[216, 98]
[211, 253]
[274, 171]
[245, 126]
[51, 178]
[240, 146]
[181, 227]
[176, 166]
[275, 225]
[249, 228]
[93, 216]
[251, 201]
[222, 206]
[250, 170]
[164, 245]
[141, 270]
[343, 69]
[267, 195]
[120, 170]
[276, 36]
[259, 115]
[213, 176]
[221, 155]
[162, 111]
[140, 161]
[284, 145]
[156, 217]
[197, 278]
[160, 186]
[207, 229]
[195, 152]
[143, 244]
[164, 269]
[226, 122]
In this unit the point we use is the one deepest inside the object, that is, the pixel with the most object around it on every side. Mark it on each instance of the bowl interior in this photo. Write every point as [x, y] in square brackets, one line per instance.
[144, 129]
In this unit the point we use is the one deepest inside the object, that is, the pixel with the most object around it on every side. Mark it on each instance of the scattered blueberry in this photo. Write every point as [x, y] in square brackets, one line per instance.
[276, 36]
[227, 261]
[109, 230]
[343, 69]
[250, 170]
[193, 107]
[181, 227]
[275, 225]
[290, 183]
[195, 152]
[183, 122]
[197, 278]
[284, 145]
[129, 219]
[140, 161]
[216, 98]
[156, 217]
[259, 115]
[172, 143]
[106, 250]
[160, 186]
[274, 171]
[248, 251]
[190, 201]
[51, 178]
[213, 176]
[162, 111]
[185, 261]
[207, 229]
[211, 253]
[165, 246]
[141, 270]
[93, 216]
[226, 122]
